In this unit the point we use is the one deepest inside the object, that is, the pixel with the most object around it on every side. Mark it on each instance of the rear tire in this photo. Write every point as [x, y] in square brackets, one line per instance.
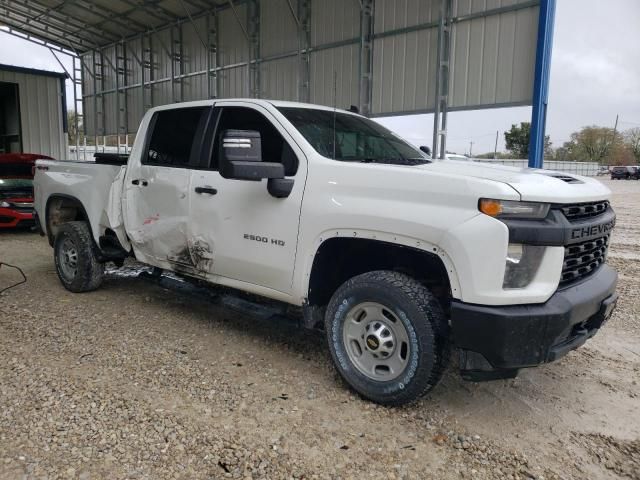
[76, 258]
[387, 335]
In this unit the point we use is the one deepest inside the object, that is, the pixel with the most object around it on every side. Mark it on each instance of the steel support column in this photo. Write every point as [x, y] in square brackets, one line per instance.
[103, 110]
[152, 74]
[365, 67]
[212, 54]
[541, 83]
[95, 99]
[304, 44]
[77, 100]
[253, 30]
[442, 80]
[121, 93]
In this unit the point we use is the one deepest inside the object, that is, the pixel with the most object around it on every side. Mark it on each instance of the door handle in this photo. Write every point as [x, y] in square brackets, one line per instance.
[144, 183]
[209, 190]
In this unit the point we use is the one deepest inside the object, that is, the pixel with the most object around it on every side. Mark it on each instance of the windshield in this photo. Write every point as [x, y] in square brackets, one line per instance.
[354, 139]
[15, 186]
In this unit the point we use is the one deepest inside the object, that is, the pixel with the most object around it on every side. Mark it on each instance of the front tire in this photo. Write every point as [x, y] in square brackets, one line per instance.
[76, 258]
[387, 335]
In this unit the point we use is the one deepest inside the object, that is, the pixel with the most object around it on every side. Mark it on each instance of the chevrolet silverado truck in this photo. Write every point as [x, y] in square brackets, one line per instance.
[401, 259]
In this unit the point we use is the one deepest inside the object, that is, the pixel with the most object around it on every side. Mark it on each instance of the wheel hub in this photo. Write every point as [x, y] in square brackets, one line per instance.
[69, 259]
[379, 339]
[376, 341]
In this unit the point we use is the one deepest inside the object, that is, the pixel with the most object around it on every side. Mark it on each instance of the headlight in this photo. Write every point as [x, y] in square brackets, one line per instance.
[522, 264]
[513, 209]
[5, 204]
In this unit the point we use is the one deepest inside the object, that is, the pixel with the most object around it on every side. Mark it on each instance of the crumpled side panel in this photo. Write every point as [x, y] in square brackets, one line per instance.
[114, 209]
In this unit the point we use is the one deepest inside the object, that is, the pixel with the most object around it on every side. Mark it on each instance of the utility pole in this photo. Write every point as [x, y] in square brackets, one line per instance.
[471, 149]
[613, 137]
[495, 149]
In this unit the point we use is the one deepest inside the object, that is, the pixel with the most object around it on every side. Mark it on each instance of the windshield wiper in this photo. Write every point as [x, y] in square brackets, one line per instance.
[396, 161]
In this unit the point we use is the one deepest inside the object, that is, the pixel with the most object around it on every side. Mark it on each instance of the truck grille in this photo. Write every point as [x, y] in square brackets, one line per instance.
[584, 210]
[582, 259]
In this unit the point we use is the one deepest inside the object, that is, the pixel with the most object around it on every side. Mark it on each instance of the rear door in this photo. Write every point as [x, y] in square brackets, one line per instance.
[156, 190]
[248, 235]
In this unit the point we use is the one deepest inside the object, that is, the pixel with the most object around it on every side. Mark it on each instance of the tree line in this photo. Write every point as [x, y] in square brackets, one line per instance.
[603, 145]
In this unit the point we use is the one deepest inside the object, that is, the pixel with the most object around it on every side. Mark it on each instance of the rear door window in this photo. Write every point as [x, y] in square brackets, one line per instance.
[176, 137]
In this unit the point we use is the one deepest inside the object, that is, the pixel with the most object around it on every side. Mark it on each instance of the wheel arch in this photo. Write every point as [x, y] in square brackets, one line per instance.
[61, 208]
[343, 256]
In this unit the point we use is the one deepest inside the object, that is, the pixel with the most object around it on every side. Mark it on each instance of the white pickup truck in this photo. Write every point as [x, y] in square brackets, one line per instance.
[400, 259]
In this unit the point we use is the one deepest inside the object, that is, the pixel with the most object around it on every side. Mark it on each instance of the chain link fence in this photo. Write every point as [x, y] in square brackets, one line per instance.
[589, 169]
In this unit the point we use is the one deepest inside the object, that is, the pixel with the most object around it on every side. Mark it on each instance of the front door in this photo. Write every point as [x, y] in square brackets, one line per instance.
[250, 235]
[156, 206]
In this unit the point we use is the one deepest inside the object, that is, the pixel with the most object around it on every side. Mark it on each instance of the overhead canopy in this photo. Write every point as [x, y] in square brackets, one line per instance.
[387, 57]
[82, 25]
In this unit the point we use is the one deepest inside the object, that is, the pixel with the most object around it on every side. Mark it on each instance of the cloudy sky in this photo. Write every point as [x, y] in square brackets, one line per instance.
[595, 74]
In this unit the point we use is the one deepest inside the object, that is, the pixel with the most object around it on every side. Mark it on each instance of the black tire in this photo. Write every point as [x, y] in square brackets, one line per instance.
[421, 315]
[88, 271]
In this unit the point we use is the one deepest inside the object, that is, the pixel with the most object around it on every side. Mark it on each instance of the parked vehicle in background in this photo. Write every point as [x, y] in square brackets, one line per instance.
[16, 189]
[458, 157]
[625, 173]
[619, 173]
[603, 170]
[397, 257]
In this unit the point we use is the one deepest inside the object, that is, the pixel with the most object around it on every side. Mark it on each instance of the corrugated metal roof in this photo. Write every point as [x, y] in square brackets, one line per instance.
[141, 53]
[82, 25]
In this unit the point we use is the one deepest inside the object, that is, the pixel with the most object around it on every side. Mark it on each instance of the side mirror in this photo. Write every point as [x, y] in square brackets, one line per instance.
[240, 157]
[280, 187]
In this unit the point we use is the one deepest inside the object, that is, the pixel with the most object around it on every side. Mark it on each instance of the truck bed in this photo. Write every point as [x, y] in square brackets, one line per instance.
[90, 183]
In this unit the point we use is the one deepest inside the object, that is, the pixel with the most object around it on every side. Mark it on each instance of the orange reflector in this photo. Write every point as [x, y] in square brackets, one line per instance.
[490, 207]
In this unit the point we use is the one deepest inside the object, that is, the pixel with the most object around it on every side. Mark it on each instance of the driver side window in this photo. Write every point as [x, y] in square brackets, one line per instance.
[274, 146]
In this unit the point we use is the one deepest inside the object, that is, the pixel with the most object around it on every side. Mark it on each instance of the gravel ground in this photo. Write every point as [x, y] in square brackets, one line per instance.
[148, 380]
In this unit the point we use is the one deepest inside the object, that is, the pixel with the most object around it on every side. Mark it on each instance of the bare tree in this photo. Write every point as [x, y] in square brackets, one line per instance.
[632, 139]
[71, 125]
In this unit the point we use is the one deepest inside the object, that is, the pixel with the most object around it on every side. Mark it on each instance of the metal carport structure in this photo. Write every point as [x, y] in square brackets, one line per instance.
[387, 57]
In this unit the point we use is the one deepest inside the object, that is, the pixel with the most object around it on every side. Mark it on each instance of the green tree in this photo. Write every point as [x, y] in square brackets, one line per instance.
[517, 141]
[594, 144]
[490, 155]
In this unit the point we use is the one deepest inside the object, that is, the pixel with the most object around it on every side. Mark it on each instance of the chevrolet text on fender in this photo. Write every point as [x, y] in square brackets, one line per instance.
[400, 259]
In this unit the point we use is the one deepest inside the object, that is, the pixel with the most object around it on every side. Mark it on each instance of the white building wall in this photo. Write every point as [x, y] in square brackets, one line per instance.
[41, 112]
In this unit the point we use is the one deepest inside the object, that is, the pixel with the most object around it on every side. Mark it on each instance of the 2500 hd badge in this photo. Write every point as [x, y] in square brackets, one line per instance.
[258, 238]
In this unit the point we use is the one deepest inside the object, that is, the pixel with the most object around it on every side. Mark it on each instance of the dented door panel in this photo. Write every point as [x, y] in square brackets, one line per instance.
[158, 214]
[245, 233]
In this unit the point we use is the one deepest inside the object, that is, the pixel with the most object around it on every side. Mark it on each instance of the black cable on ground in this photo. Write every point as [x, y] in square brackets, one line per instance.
[24, 277]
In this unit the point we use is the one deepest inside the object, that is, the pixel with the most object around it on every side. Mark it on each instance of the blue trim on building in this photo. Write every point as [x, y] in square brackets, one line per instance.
[541, 82]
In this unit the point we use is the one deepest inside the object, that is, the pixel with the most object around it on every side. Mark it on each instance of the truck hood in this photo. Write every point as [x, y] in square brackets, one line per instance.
[536, 185]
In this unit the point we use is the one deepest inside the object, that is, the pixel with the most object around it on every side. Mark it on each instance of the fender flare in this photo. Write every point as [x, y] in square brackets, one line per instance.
[417, 244]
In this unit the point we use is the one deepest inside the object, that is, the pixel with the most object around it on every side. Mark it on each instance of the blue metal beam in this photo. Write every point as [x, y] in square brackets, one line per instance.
[541, 82]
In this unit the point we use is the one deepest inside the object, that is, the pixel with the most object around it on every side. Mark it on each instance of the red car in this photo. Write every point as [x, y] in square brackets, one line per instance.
[16, 189]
